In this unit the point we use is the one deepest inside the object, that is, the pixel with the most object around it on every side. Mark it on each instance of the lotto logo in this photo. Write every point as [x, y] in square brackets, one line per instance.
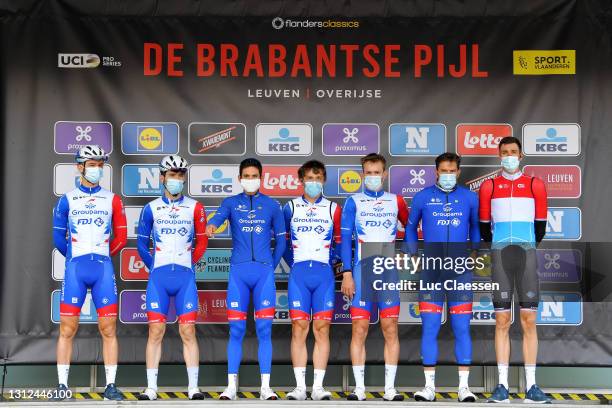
[480, 139]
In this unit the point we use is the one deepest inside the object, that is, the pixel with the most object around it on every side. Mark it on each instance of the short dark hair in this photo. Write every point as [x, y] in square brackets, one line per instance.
[250, 162]
[450, 157]
[373, 158]
[510, 140]
[312, 165]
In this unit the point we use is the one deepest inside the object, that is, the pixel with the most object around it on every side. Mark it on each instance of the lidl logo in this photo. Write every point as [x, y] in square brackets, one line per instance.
[349, 181]
[156, 138]
[223, 231]
[342, 181]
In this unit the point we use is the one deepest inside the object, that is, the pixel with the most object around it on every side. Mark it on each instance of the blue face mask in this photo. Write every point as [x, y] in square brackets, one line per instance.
[174, 186]
[510, 163]
[373, 183]
[447, 181]
[313, 188]
[93, 174]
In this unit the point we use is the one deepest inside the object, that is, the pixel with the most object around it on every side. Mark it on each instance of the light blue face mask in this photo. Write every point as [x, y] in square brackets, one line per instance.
[510, 163]
[313, 188]
[447, 181]
[373, 183]
[174, 186]
[93, 174]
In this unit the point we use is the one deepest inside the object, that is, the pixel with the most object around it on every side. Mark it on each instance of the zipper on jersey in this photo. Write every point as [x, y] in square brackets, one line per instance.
[91, 236]
[447, 226]
[174, 240]
[251, 232]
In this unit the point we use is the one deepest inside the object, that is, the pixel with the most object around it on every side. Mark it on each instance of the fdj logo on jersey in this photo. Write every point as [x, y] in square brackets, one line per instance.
[307, 228]
[257, 229]
[217, 184]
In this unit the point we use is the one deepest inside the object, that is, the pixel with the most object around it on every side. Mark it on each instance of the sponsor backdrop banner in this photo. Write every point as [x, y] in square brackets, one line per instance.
[219, 82]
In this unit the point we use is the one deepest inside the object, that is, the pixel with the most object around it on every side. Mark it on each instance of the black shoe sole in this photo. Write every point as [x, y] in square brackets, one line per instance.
[197, 397]
[421, 399]
[468, 399]
[224, 399]
[352, 397]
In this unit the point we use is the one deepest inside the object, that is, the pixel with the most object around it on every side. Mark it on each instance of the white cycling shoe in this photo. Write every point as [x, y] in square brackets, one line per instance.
[391, 394]
[298, 394]
[195, 394]
[267, 394]
[229, 394]
[358, 394]
[427, 394]
[149, 394]
[320, 394]
[465, 395]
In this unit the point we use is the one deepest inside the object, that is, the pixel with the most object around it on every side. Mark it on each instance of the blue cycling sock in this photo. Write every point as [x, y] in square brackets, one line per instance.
[234, 346]
[264, 337]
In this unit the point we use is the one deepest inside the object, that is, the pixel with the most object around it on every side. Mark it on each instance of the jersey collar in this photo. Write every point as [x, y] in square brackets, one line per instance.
[375, 194]
[317, 201]
[257, 194]
[512, 177]
[177, 201]
[90, 190]
[446, 191]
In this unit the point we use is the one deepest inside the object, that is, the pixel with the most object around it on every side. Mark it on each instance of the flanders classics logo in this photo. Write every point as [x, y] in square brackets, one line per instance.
[544, 62]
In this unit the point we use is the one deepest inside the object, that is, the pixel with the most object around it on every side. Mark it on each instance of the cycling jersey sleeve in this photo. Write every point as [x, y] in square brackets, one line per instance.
[336, 243]
[222, 213]
[199, 224]
[347, 225]
[411, 238]
[474, 222]
[402, 210]
[60, 225]
[280, 233]
[484, 210]
[119, 227]
[288, 213]
[541, 207]
[145, 225]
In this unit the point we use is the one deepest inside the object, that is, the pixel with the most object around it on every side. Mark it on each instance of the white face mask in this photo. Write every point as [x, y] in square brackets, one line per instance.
[510, 163]
[373, 183]
[250, 185]
[93, 174]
